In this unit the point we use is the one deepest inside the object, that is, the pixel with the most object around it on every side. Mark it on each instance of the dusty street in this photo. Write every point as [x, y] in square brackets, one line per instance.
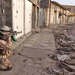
[43, 37]
[50, 52]
[32, 57]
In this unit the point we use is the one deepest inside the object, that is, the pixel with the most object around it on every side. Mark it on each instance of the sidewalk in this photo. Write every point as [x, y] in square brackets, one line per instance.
[23, 38]
[37, 38]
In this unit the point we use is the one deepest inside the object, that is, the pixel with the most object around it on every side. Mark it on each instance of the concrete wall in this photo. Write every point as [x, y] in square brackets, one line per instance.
[45, 6]
[44, 17]
[28, 17]
[18, 17]
[71, 19]
[13, 14]
[35, 14]
[48, 17]
[52, 22]
[70, 8]
[5, 13]
[58, 15]
[42, 20]
[55, 18]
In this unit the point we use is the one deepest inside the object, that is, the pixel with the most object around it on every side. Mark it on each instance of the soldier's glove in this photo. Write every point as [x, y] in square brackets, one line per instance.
[2, 49]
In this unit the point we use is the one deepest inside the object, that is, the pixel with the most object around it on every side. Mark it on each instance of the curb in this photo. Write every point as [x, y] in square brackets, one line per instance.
[18, 42]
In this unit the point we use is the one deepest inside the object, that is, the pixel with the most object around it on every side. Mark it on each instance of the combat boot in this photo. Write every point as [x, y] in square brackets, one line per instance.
[5, 64]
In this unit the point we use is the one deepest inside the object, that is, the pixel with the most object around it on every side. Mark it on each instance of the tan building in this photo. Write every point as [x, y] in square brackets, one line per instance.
[35, 13]
[71, 17]
[53, 15]
[58, 14]
[71, 9]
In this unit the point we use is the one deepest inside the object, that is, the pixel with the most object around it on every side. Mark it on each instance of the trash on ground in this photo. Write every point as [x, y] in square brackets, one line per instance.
[63, 57]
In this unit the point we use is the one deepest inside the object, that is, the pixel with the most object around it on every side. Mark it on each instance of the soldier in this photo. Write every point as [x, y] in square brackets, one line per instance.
[5, 48]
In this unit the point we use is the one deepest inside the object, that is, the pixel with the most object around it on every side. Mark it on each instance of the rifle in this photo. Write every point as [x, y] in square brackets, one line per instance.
[13, 35]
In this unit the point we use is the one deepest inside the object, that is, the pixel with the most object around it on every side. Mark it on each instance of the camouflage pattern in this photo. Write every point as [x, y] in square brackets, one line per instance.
[5, 64]
[9, 46]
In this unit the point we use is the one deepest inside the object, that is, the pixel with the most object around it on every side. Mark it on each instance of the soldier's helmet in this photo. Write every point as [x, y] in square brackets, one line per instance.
[5, 28]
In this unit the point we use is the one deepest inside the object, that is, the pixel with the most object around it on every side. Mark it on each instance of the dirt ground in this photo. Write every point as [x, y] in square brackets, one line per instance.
[49, 52]
[65, 45]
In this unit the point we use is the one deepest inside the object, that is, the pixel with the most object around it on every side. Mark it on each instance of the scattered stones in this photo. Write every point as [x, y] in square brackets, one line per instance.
[65, 44]
[70, 68]
[70, 62]
[63, 57]
[72, 55]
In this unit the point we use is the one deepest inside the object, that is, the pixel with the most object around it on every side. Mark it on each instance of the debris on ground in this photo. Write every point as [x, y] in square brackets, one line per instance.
[65, 45]
[63, 57]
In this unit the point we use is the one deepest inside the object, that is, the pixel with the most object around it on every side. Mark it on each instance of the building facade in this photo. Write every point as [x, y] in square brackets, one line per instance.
[58, 14]
[35, 14]
[27, 16]
[52, 13]
[45, 6]
[20, 15]
[71, 9]
[5, 12]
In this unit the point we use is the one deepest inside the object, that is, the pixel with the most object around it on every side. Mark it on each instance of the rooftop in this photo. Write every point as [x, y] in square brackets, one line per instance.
[56, 3]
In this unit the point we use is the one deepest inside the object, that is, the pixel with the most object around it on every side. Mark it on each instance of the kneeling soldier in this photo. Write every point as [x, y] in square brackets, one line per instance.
[5, 48]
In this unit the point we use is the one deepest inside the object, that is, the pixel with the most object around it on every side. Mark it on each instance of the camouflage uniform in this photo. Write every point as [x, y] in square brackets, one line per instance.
[5, 64]
[9, 46]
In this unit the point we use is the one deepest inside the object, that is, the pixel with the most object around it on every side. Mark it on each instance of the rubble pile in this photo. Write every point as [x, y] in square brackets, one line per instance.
[65, 44]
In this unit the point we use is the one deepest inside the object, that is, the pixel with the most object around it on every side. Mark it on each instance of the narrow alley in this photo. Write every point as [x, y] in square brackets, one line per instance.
[32, 57]
[41, 34]
[49, 52]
